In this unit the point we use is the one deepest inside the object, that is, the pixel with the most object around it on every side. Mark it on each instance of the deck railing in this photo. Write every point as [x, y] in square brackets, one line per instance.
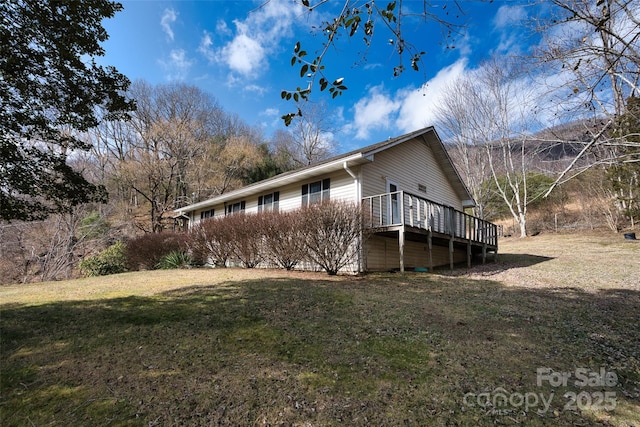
[403, 208]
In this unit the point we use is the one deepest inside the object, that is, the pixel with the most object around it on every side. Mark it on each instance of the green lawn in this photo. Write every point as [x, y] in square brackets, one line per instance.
[253, 347]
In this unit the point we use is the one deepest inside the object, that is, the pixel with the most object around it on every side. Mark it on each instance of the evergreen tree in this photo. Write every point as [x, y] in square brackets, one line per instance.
[51, 90]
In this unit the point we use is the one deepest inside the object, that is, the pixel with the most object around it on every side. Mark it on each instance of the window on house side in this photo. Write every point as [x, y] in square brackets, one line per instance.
[235, 208]
[206, 214]
[315, 192]
[269, 202]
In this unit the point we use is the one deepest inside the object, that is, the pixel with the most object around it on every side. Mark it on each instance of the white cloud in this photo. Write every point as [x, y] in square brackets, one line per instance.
[418, 107]
[244, 55]
[372, 66]
[374, 112]
[508, 16]
[270, 112]
[222, 28]
[168, 17]
[464, 45]
[406, 110]
[255, 89]
[508, 23]
[253, 40]
[205, 47]
[177, 65]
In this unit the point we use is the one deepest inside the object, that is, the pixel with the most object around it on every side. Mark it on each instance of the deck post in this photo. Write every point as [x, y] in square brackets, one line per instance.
[484, 252]
[469, 253]
[451, 253]
[401, 247]
[430, 247]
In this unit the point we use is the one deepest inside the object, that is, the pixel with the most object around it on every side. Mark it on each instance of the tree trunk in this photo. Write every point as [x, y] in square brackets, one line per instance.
[522, 222]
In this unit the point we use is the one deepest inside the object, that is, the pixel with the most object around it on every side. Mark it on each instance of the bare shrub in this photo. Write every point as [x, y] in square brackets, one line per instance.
[332, 234]
[49, 249]
[17, 255]
[328, 234]
[146, 251]
[211, 241]
[613, 216]
[283, 239]
[247, 238]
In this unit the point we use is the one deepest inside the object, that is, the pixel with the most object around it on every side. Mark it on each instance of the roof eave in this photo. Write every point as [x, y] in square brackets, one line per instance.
[277, 181]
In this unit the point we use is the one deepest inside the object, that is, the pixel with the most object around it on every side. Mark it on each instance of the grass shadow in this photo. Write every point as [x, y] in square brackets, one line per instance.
[504, 262]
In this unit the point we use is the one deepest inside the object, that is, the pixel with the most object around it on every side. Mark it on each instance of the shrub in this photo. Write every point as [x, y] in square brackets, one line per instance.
[328, 234]
[146, 251]
[283, 239]
[175, 259]
[247, 237]
[332, 234]
[210, 241]
[110, 261]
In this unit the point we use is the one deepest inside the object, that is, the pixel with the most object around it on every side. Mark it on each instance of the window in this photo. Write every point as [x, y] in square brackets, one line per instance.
[206, 214]
[269, 202]
[235, 208]
[315, 192]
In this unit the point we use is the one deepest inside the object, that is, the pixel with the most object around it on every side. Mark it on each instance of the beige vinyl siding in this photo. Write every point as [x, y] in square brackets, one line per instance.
[409, 165]
[342, 187]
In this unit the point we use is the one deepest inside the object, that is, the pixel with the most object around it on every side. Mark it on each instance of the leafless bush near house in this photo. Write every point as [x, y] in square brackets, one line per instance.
[283, 238]
[210, 240]
[332, 234]
[145, 251]
[247, 238]
[328, 234]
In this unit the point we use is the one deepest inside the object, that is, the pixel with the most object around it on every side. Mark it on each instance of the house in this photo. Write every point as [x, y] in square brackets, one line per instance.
[413, 196]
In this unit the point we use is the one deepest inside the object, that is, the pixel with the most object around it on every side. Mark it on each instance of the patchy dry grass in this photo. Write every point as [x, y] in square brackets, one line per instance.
[586, 261]
[255, 347]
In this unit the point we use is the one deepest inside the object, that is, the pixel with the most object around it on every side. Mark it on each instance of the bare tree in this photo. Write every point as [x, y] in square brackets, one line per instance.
[311, 137]
[489, 117]
[178, 148]
[461, 117]
[592, 50]
[233, 161]
[49, 249]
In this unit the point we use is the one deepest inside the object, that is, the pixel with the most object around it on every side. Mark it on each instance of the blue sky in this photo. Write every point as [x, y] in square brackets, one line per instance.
[240, 52]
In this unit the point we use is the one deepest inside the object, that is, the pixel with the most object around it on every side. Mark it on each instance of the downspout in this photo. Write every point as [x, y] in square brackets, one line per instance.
[358, 197]
[355, 180]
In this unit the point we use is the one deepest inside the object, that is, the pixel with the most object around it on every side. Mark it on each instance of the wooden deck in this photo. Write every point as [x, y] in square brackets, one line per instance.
[405, 213]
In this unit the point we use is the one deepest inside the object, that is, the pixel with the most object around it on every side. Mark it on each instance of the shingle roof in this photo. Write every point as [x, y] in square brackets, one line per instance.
[352, 158]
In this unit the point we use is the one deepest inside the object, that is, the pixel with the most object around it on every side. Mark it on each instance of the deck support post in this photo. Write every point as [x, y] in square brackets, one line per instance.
[430, 248]
[401, 247]
[484, 253]
[469, 253]
[451, 253]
